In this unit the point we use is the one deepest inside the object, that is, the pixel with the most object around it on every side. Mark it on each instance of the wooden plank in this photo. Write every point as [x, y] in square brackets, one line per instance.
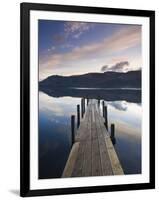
[87, 164]
[103, 128]
[104, 156]
[96, 162]
[116, 166]
[82, 134]
[81, 130]
[87, 160]
[87, 134]
[93, 127]
[71, 160]
[84, 150]
[93, 114]
[77, 168]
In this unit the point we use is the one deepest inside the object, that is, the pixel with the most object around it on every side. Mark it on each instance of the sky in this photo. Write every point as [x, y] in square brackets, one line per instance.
[70, 48]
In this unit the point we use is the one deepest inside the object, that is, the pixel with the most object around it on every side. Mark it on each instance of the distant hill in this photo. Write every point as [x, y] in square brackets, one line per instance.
[131, 79]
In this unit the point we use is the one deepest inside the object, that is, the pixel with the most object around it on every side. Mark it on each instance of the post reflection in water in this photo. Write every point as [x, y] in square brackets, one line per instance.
[55, 133]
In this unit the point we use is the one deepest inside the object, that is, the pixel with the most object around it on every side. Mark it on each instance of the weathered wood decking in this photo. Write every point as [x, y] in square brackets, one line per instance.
[93, 153]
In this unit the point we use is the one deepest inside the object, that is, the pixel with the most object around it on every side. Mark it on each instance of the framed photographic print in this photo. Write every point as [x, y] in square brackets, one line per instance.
[87, 99]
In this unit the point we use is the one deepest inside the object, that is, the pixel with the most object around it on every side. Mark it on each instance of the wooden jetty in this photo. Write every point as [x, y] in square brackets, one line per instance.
[92, 152]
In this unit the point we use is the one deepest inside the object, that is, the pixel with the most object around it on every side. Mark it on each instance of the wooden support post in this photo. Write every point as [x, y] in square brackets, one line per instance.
[103, 108]
[106, 117]
[82, 108]
[112, 136]
[78, 116]
[83, 105]
[73, 128]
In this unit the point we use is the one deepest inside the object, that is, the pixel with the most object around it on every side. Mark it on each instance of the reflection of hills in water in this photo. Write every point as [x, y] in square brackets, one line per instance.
[114, 94]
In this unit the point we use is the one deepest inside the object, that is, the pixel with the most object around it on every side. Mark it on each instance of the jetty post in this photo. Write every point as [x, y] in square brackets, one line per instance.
[82, 107]
[78, 116]
[103, 108]
[106, 117]
[73, 128]
[112, 136]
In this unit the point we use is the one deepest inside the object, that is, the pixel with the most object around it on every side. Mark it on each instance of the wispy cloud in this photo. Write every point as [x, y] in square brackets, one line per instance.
[76, 29]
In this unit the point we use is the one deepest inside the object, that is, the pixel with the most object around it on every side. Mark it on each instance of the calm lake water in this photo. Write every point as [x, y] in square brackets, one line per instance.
[55, 133]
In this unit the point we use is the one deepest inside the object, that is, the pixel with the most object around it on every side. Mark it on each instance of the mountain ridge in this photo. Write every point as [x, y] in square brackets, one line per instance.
[131, 79]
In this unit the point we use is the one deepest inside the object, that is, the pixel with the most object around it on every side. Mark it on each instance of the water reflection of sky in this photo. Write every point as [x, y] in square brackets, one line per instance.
[124, 112]
[55, 133]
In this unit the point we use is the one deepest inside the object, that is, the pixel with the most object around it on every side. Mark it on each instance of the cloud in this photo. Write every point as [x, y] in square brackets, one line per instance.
[118, 67]
[119, 105]
[122, 40]
[104, 68]
[76, 29]
[125, 38]
[73, 29]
